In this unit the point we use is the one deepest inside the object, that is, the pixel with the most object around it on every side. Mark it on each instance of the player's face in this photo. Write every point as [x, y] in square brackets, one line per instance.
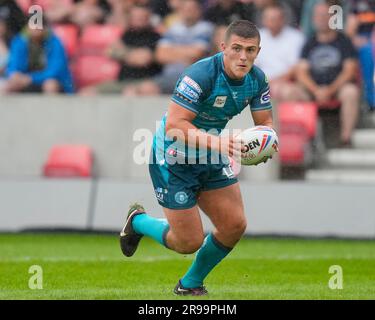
[239, 55]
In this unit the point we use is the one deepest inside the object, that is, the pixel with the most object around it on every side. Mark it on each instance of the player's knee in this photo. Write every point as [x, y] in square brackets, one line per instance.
[240, 227]
[236, 228]
[189, 246]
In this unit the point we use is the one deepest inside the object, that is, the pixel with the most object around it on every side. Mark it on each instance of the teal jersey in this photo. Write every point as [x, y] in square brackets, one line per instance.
[205, 89]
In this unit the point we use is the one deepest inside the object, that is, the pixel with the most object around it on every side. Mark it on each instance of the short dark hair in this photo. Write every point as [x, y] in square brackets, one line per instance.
[243, 29]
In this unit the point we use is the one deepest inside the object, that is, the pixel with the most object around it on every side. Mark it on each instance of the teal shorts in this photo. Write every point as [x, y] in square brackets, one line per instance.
[177, 186]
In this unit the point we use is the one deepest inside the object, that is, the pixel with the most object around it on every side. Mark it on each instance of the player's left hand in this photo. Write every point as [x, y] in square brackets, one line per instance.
[264, 160]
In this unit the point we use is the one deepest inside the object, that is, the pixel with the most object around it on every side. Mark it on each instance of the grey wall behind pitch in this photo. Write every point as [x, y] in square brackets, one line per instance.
[113, 126]
[284, 208]
[44, 203]
[280, 208]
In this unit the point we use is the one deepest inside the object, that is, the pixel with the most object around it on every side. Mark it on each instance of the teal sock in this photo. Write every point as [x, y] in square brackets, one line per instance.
[207, 257]
[155, 228]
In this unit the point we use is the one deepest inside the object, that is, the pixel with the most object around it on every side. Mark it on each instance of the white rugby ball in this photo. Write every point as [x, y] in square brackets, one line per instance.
[261, 142]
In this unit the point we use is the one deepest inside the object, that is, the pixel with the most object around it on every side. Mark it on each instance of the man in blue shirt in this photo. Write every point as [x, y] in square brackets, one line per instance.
[185, 170]
[38, 63]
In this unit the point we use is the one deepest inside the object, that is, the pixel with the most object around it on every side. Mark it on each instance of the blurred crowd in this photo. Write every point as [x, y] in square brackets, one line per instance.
[321, 50]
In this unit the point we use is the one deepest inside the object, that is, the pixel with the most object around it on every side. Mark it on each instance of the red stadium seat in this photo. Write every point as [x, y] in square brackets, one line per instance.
[97, 38]
[292, 148]
[297, 127]
[302, 114]
[91, 70]
[68, 34]
[69, 161]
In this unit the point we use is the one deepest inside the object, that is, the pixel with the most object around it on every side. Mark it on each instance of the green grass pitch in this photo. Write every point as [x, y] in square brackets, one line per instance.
[86, 266]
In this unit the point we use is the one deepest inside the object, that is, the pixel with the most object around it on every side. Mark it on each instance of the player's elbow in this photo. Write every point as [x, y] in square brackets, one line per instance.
[174, 129]
[170, 127]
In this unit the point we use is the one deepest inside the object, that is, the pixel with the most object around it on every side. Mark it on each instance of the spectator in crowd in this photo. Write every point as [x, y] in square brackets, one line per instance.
[328, 71]
[306, 22]
[135, 51]
[278, 58]
[359, 28]
[137, 46]
[183, 44]
[58, 11]
[260, 5]
[13, 16]
[120, 10]
[367, 62]
[223, 12]
[360, 22]
[38, 63]
[87, 12]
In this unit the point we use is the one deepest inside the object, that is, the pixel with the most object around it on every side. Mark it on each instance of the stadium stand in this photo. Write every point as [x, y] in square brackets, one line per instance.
[96, 39]
[292, 148]
[135, 52]
[84, 74]
[88, 37]
[69, 161]
[298, 127]
[44, 69]
[303, 114]
[68, 34]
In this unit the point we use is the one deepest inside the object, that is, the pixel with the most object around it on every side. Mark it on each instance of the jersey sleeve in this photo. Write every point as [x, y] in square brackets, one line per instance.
[192, 88]
[262, 97]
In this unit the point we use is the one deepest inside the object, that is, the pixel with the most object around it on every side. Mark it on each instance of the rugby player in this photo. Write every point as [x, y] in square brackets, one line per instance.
[207, 95]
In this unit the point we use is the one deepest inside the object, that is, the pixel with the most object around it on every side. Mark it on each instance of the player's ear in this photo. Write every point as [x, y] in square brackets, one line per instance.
[222, 46]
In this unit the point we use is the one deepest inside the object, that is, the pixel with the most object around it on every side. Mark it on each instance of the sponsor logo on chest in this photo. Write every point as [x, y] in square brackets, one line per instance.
[220, 101]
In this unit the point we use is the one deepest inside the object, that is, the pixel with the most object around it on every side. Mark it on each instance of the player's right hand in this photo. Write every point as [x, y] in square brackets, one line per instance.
[231, 147]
